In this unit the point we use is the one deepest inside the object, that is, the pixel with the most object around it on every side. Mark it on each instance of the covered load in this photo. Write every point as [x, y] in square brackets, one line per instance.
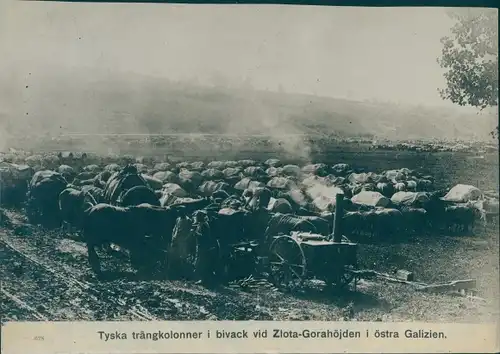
[318, 169]
[43, 197]
[14, 182]
[292, 170]
[374, 199]
[362, 178]
[174, 189]
[281, 183]
[121, 181]
[340, 169]
[409, 198]
[463, 193]
[166, 177]
[153, 182]
[247, 183]
[212, 174]
[15, 171]
[190, 180]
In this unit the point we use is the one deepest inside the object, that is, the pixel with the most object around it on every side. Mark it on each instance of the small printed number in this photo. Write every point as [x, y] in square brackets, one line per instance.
[38, 338]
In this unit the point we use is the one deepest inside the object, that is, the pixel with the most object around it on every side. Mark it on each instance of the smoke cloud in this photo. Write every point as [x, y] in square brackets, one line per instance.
[61, 109]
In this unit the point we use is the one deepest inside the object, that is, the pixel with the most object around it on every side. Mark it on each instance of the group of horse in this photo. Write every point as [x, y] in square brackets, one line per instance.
[190, 215]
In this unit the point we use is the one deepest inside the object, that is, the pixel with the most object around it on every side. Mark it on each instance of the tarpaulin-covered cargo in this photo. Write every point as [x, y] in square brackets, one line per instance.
[462, 193]
[358, 178]
[15, 171]
[174, 189]
[292, 170]
[190, 179]
[361, 178]
[247, 183]
[409, 198]
[153, 183]
[340, 169]
[166, 176]
[370, 198]
[281, 183]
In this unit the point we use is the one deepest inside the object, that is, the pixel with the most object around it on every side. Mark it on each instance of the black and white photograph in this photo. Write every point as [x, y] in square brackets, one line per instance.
[173, 162]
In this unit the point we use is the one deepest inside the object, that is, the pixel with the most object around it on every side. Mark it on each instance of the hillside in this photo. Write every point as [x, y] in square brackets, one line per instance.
[81, 102]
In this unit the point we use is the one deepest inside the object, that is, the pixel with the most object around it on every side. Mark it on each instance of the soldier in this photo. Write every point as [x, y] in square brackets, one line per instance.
[181, 250]
[206, 250]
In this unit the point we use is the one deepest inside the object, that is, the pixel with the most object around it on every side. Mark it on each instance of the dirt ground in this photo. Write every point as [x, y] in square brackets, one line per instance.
[46, 277]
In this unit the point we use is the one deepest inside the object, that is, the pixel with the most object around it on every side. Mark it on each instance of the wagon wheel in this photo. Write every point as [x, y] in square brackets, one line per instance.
[287, 263]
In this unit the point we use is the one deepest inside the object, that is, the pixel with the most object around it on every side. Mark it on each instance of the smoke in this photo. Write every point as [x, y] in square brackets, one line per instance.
[78, 110]
[243, 116]
[254, 115]
[74, 110]
[320, 192]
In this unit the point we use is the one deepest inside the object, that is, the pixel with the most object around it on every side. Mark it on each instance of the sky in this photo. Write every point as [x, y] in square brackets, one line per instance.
[386, 54]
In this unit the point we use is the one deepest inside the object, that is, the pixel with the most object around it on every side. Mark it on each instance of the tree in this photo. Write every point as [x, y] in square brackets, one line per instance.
[470, 58]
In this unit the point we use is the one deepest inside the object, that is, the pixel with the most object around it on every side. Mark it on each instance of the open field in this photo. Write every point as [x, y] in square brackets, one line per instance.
[47, 276]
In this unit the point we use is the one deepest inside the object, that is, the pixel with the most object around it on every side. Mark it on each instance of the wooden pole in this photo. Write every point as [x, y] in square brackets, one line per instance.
[337, 219]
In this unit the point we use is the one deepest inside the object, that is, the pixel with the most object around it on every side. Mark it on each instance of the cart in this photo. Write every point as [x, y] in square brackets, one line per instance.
[300, 256]
[294, 258]
[288, 260]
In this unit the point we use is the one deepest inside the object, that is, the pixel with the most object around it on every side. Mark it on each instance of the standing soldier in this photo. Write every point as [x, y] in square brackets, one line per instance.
[181, 249]
[206, 250]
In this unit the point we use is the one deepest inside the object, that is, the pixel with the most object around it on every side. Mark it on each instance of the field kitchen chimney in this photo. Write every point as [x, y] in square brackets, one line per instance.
[337, 219]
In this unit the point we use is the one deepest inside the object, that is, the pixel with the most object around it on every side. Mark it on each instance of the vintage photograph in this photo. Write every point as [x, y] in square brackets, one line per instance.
[248, 162]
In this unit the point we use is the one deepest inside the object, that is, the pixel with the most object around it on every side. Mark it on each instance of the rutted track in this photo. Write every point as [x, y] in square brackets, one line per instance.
[18, 308]
[47, 277]
[58, 268]
[76, 296]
